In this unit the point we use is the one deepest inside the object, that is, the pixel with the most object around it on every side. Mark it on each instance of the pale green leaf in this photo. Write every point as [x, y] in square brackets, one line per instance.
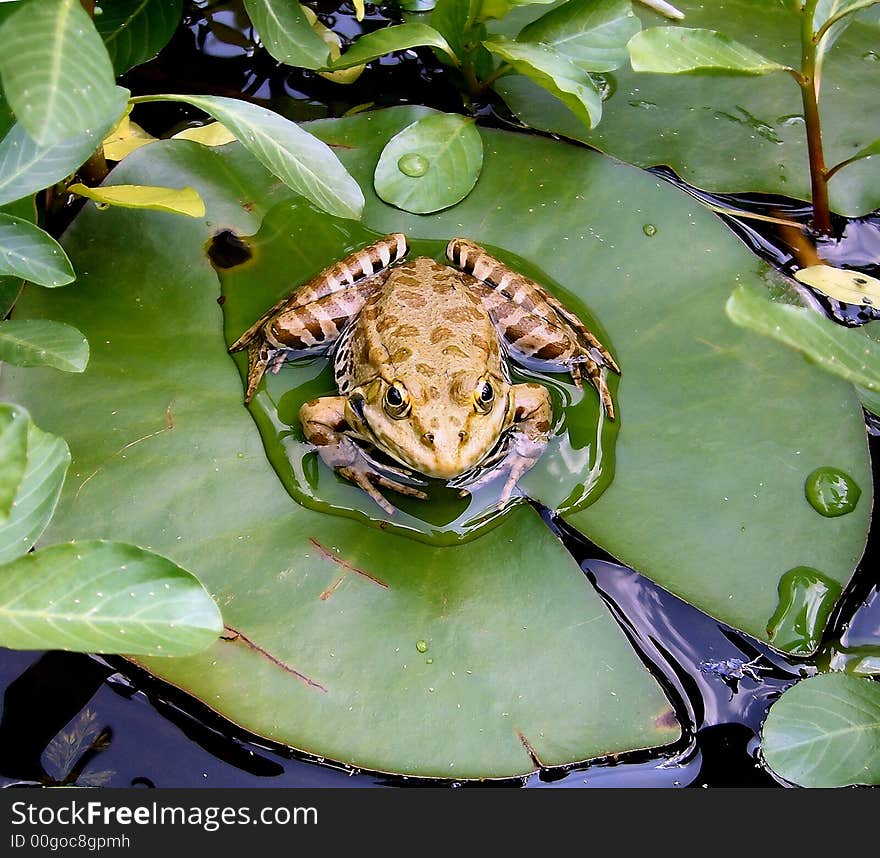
[301, 161]
[42, 342]
[842, 284]
[555, 73]
[38, 493]
[287, 34]
[592, 33]
[846, 352]
[185, 201]
[28, 252]
[26, 167]
[109, 597]
[431, 164]
[373, 45]
[13, 454]
[825, 732]
[679, 50]
[56, 73]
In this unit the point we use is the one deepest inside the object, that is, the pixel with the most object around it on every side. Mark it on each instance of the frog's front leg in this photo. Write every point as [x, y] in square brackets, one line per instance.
[532, 421]
[324, 425]
[533, 322]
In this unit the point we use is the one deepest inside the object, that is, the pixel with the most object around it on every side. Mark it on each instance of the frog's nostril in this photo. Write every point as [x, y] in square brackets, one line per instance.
[462, 436]
[428, 438]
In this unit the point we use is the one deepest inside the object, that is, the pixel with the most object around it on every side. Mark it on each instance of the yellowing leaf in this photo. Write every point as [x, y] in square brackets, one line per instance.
[183, 201]
[333, 41]
[212, 134]
[124, 139]
[851, 287]
[359, 9]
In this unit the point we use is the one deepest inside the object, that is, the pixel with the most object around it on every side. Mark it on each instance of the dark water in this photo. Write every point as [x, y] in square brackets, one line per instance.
[69, 718]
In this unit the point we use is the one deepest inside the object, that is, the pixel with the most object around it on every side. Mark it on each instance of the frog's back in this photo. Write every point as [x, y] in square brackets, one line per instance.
[423, 322]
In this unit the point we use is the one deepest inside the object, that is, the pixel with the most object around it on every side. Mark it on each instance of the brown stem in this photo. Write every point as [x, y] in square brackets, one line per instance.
[807, 83]
[95, 170]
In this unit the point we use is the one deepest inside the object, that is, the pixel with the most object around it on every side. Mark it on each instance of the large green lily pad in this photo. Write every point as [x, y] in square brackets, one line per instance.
[325, 616]
[718, 430]
[732, 133]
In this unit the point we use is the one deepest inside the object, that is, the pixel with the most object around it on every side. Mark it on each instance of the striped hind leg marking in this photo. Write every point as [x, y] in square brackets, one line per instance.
[313, 316]
[362, 264]
[532, 321]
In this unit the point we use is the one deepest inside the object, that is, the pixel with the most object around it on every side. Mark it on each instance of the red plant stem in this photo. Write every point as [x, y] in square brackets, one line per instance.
[807, 82]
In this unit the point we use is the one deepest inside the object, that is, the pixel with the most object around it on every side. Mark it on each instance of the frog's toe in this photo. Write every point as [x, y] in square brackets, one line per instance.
[361, 479]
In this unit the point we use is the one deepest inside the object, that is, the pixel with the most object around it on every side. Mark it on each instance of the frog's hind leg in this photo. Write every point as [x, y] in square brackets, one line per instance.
[360, 265]
[312, 318]
[313, 328]
[532, 322]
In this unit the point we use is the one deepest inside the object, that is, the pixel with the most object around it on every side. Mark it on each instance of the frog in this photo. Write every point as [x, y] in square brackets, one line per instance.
[421, 355]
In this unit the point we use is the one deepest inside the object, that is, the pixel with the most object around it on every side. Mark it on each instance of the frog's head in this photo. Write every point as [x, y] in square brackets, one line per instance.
[440, 429]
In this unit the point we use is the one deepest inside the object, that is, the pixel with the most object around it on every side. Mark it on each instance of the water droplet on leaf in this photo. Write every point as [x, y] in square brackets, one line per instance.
[831, 492]
[413, 164]
[649, 229]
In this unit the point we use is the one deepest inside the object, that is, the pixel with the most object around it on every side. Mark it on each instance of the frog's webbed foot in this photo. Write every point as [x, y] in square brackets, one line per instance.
[521, 453]
[523, 446]
[351, 462]
[324, 425]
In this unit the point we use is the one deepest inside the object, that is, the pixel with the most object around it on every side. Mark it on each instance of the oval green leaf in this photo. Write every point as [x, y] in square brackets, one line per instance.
[134, 31]
[42, 342]
[287, 34]
[825, 732]
[302, 592]
[47, 461]
[680, 50]
[845, 352]
[185, 201]
[26, 251]
[26, 167]
[553, 72]
[56, 73]
[592, 33]
[373, 45]
[13, 455]
[301, 161]
[108, 597]
[430, 165]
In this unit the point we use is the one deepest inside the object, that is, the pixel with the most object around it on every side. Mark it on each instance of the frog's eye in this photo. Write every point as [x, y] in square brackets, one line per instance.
[484, 396]
[396, 401]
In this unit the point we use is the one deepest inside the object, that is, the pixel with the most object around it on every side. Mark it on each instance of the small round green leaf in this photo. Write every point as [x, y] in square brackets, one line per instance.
[28, 252]
[825, 732]
[134, 31]
[42, 342]
[98, 596]
[430, 165]
[56, 73]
